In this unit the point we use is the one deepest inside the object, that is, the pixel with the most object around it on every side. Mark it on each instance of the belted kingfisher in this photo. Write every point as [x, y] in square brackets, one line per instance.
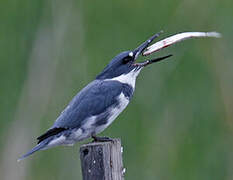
[98, 104]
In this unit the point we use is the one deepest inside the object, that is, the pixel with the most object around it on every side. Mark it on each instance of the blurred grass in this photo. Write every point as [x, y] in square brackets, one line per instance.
[179, 123]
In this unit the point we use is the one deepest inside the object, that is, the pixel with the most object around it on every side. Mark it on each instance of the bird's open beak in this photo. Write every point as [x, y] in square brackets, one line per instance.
[140, 49]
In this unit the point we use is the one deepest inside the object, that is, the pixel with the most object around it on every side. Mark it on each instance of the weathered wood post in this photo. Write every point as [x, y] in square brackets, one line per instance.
[102, 160]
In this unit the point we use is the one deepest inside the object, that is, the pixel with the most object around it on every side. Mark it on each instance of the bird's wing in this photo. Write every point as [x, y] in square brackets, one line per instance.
[49, 133]
[92, 100]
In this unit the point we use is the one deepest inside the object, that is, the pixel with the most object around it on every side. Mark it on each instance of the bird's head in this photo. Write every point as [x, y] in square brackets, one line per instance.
[125, 62]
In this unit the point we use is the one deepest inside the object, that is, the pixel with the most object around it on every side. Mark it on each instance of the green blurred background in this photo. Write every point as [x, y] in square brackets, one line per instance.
[178, 125]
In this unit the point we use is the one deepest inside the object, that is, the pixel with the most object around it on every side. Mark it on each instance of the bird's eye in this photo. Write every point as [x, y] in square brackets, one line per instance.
[127, 59]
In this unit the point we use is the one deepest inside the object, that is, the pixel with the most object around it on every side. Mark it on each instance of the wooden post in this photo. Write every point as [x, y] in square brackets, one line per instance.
[102, 160]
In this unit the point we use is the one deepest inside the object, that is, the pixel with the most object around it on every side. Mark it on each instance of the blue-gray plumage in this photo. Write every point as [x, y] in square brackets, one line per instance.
[97, 105]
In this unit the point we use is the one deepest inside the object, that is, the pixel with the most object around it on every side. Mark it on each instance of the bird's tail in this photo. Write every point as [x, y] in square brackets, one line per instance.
[38, 147]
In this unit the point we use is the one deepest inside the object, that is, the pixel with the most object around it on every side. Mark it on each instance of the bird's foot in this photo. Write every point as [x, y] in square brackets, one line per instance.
[101, 139]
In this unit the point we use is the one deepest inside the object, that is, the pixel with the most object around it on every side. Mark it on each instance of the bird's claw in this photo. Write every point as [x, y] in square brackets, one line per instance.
[101, 139]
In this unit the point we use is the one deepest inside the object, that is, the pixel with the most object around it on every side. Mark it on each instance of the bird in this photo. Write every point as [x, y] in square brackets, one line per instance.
[99, 103]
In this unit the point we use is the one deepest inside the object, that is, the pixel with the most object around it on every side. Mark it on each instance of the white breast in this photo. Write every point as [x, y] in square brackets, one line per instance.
[123, 102]
[114, 112]
[129, 78]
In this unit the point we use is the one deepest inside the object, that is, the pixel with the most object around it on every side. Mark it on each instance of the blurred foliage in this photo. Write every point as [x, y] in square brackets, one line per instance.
[179, 123]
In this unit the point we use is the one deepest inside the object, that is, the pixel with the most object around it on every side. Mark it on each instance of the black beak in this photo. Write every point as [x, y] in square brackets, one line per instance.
[139, 50]
[144, 45]
[143, 64]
